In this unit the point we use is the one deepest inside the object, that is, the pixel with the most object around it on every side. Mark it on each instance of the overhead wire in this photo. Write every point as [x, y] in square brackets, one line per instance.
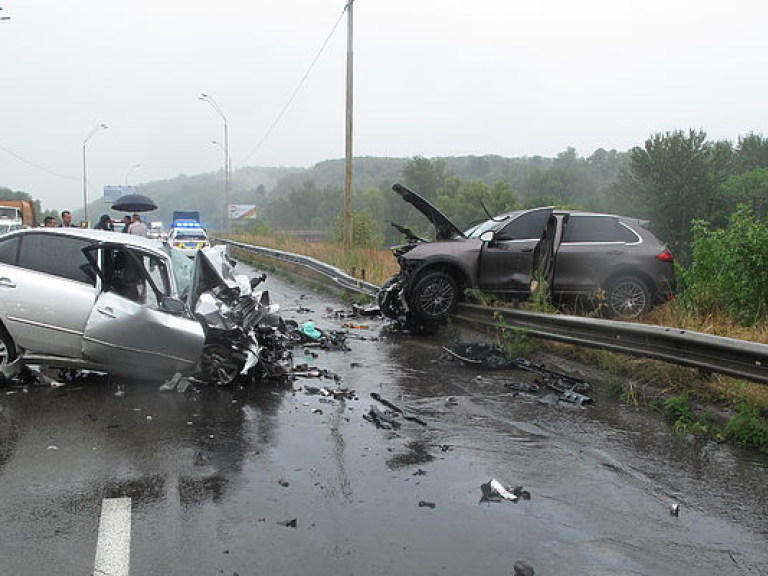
[298, 87]
[30, 163]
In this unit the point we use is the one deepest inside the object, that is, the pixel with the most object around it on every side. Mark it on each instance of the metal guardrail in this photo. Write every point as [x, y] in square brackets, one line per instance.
[738, 358]
[335, 275]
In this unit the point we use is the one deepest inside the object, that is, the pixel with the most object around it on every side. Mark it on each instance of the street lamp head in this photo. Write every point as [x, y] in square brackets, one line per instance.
[103, 126]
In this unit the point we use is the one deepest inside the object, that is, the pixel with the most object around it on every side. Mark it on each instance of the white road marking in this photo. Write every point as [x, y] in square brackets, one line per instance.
[113, 548]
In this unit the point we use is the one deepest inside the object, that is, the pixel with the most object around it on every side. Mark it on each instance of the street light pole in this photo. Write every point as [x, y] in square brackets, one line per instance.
[131, 169]
[215, 106]
[85, 170]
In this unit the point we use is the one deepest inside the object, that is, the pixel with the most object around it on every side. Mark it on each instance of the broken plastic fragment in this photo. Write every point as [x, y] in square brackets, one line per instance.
[308, 329]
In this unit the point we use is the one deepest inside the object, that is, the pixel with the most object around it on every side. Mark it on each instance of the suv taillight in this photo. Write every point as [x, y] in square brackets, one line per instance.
[666, 256]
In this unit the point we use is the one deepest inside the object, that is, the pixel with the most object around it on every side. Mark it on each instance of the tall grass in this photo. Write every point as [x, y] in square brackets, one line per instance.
[369, 264]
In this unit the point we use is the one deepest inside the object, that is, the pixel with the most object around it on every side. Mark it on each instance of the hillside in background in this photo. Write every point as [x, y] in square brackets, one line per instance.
[534, 177]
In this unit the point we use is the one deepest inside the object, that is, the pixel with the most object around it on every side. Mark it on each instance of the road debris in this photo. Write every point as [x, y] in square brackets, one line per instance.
[522, 568]
[478, 354]
[397, 409]
[380, 419]
[426, 504]
[494, 491]
[292, 523]
[674, 510]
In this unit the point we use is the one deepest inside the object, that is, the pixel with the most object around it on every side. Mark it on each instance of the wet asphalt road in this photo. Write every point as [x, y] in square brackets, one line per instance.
[217, 477]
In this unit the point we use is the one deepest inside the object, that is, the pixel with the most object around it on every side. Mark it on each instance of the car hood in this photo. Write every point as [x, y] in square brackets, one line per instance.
[213, 267]
[445, 229]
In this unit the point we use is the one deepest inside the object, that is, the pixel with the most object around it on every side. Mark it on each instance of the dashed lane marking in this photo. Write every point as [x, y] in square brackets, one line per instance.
[113, 548]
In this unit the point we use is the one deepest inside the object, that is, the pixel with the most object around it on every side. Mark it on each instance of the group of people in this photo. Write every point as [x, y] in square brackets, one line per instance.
[135, 225]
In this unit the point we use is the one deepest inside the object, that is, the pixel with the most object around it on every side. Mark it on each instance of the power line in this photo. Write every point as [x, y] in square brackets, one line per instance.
[298, 87]
[42, 168]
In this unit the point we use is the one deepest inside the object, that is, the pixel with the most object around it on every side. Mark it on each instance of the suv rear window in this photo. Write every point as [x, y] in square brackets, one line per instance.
[597, 229]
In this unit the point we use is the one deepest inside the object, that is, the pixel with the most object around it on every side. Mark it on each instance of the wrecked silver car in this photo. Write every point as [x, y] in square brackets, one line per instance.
[126, 305]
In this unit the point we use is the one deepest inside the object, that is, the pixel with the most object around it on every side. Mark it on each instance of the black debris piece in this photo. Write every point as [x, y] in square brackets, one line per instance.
[386, 403]
[478, 354]
[522, 568]
[674, 510]
[370, 310]
[380, 419]
[426, 504]
[420, 472]
[289, 523]
[397, 409]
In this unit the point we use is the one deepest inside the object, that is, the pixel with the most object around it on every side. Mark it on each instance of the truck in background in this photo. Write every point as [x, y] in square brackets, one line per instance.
[185, 215]
[16, 214]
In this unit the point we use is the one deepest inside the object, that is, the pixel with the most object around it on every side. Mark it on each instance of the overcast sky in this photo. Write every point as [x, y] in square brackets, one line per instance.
[431, 78]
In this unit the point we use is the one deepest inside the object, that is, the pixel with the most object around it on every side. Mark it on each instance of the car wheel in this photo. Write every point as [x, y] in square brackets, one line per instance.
[434, 296]
[7, 348]
[219, 365]
[628, 297]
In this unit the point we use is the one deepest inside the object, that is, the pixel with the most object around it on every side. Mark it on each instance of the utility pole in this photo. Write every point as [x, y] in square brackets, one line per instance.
[348, 156]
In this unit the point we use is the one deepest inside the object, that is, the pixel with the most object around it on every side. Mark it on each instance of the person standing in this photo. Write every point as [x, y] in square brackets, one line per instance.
[66, 219]
[105, 223]
[137, 227]
[49, 222]
[126, 223]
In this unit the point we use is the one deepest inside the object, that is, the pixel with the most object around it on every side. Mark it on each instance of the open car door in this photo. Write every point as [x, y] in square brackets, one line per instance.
[137, 328]
[545, 255]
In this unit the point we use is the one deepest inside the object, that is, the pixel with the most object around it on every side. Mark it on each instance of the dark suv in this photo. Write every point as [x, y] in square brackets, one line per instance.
[591, 257]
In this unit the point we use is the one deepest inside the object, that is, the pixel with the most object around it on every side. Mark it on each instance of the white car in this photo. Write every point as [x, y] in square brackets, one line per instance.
[189, 239]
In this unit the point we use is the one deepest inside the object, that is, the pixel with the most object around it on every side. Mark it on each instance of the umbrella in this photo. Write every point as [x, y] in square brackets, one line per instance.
[134, 203]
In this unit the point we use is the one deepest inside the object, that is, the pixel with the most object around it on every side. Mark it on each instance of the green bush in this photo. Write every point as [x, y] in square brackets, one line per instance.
[365, 231]
[747, 428]
[730, 269]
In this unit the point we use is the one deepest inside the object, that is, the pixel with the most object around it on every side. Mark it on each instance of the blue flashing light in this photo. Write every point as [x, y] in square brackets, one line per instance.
[187, 224]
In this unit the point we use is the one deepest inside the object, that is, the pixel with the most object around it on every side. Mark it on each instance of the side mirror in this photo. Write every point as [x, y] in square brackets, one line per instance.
[487, 236]
[173, 305]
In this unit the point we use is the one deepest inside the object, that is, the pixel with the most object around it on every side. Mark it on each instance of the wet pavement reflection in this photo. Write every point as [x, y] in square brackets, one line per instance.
[269, 479]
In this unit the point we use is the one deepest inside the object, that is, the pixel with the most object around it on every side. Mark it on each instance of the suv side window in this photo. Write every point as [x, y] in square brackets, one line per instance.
[56, 255]
[527, 226]
[597, 229]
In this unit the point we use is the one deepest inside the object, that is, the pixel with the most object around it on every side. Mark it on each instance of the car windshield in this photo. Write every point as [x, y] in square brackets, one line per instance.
[182, 270]
[189, 236]
[477, 229]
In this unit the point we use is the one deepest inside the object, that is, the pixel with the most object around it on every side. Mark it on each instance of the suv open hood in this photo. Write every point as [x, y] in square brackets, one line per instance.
[445, 229]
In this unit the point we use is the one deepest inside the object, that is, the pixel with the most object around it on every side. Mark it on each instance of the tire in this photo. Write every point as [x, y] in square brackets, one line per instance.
[387, 298]
[434, 296]
[220, 366]
[7, 348]
[628, 297]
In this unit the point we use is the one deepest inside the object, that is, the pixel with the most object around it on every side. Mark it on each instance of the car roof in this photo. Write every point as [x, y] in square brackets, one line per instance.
[95, 235]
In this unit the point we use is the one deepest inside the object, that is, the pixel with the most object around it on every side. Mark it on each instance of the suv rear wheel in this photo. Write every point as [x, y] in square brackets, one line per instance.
[628, 297]
[434, 296]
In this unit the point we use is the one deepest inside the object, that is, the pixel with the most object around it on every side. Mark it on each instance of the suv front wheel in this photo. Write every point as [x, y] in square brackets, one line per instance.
[628, 297]
[434, 296]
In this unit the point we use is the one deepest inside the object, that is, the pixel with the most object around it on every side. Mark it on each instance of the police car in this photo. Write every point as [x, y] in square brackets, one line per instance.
[188, 236]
